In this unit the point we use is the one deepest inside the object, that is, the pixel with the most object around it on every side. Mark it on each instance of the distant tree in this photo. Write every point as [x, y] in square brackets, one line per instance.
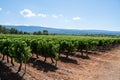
[26, 33]
[1, 29]
[14, 31]
[4, 30]
[37, 33]
[34, 33]
[20, 32]
[45, 32]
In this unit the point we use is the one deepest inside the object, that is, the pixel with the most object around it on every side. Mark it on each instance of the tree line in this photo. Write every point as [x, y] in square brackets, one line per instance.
[4, 30]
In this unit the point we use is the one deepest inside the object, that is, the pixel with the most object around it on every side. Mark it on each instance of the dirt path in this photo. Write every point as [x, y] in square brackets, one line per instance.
[100, 66]
[104, 67]
[107, 66]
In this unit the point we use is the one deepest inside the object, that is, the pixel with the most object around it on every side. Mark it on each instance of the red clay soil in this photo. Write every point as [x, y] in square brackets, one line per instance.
[100, 66]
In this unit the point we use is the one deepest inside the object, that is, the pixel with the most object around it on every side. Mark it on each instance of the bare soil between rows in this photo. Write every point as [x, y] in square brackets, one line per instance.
[100, 66]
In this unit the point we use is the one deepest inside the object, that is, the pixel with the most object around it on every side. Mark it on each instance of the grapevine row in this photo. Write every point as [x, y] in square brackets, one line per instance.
[20, 48]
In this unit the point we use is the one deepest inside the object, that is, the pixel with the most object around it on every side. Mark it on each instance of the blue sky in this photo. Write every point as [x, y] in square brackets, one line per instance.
[68, 14]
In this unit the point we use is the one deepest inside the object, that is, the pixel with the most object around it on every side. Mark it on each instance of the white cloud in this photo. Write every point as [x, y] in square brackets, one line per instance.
[42, 15]
[76, 18]
[54, 16]
[0, 9]
[27, 13]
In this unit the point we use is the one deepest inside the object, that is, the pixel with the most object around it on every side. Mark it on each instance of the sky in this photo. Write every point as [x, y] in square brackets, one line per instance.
[66, 14]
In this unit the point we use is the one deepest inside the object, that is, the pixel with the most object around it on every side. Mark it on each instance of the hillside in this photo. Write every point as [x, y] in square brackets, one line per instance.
[62, 31]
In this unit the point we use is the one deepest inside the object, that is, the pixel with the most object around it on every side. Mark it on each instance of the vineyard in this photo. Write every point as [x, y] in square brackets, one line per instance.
[22, 48]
